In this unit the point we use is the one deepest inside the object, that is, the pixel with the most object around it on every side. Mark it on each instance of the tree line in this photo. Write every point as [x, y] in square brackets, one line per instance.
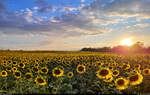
[138, 47]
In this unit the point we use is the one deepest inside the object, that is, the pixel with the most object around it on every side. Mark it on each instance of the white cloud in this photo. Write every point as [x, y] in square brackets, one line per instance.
[142, 25]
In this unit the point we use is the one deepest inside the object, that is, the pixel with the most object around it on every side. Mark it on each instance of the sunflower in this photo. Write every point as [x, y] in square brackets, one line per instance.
[9, 69]
[70, 75]
[81, 69]
[3, 73]
[115, 73]
[28, 76]
[99, 64]
[121, 83]
[126, 66]
[57, 72]
[109, 79]
[146, 71]
[14, 63]
[44, 70]
[35, 69]
[54, 90]
[36, 64]
[135, 79]
[103, 73]
[40, 81]
[14, 69]
[17, 74]
[21, 65]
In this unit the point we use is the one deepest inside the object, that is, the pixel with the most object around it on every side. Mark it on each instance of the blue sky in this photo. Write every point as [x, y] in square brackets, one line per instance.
[72, 24]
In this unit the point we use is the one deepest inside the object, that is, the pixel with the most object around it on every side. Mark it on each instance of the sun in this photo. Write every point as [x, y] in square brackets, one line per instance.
[126, 42]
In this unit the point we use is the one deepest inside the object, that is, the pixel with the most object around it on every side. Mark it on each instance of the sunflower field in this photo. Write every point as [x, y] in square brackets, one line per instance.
[23, 72]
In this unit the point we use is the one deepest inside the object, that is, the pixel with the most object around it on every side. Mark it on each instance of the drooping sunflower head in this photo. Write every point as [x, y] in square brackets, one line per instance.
[57, 72]
[17, 74]
[146, 71]
[28, 76]
[108, 79]
[121, 83]
[115, 73]
[103, 73]
[135, 79]
[44, 70]
[40, 81]
[70, 75]
[3, 73]
[81, 69]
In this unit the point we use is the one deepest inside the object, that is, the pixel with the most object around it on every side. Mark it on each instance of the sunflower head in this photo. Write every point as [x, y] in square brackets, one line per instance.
[121, 83]
[57, 72]
[14, 63]
[54, 90]
[17, 74]
[115, 73]
[21, 65]
[146, 71]
[109, 79]
[103, 73]
[70, 75]
[40, 81]
[3, 73]
[35, 69]
[135, 79]
[28, 76]
[81, 69]
[14, 69]
[44, 70]
[9, 69]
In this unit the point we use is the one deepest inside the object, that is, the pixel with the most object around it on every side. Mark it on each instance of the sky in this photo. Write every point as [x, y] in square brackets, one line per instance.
[72, 24]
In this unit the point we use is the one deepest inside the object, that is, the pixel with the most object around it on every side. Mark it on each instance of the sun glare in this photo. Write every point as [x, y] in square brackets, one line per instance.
[126, 42]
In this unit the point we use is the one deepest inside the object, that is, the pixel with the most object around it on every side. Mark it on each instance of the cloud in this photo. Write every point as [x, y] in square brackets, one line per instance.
[43, 6]
[126, 8]
[2, 5]
[67, 25]
[142, 25]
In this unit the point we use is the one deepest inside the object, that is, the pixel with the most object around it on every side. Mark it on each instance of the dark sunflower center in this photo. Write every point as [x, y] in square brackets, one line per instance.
[21, 65]
[103, 72]
[120, 82]
[134, 78]
[115, 72]
[44, 70]
[70, 74]
[146, 71]
[28, 76]
[125, 66]
[3, 73]
[35, 69]
[40, 80]
[57, 72]
[17, 73]
[80, 68]
[8, 68]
